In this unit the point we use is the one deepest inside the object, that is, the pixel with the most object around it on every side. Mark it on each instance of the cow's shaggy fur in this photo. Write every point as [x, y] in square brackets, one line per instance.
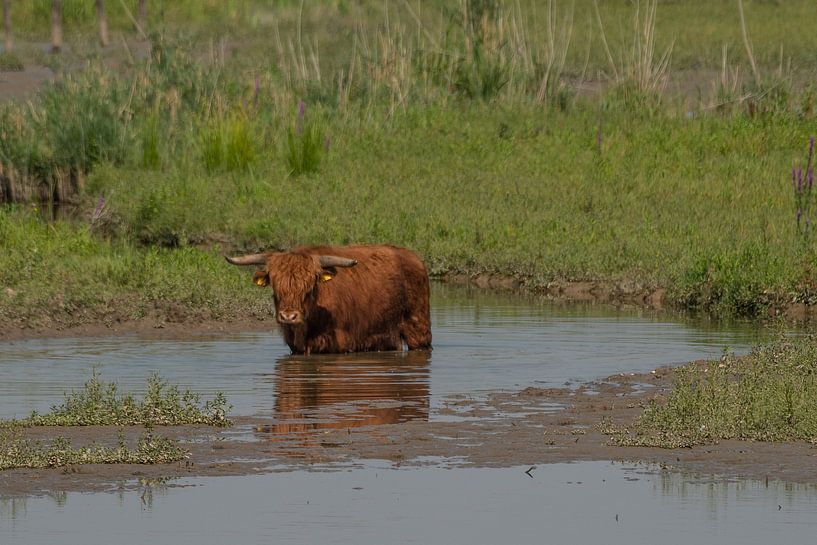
[380, 303]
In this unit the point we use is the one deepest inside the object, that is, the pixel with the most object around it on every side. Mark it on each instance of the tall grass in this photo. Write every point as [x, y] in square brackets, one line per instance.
[481, 51]
[305, 143]
[229, 144]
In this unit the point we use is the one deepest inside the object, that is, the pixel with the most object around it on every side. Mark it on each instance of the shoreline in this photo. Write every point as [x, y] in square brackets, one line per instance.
[621, 293]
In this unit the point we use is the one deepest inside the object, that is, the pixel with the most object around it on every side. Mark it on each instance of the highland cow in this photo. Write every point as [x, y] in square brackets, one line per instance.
[336, 299]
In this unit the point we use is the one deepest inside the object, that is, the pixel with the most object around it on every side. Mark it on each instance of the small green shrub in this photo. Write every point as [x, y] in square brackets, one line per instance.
[151, 154]
[99, 404]
[229, 145]
[305, 143]
[767, 395]
[17, 452]
[9, 62]
[732, 282]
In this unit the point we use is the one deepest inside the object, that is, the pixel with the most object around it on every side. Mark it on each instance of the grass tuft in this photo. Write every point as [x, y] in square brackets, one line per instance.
[17, 452]
[99, 404]
[9, 62]
[305, 143]
[767, 395]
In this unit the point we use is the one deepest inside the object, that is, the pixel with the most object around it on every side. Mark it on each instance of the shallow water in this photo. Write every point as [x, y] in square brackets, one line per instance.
[482, 341]
[589, 502]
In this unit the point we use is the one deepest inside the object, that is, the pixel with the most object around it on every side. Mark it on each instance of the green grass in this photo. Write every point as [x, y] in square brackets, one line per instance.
[17, 452]
[9, 62]
[474, 141]
[99, 404]
[765, 396]
[60, 274]
[703, 206]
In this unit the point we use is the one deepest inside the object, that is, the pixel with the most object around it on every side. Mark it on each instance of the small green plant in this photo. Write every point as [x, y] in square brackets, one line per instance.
[151, 155]
[18, 452]
[9, 62]
[764, 396]
[99, 404]
[483, 68]
[802, 183]
[229, 144]
[305, 143]
[212, 147]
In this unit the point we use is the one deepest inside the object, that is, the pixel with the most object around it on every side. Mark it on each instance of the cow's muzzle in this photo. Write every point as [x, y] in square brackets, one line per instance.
[290, 317]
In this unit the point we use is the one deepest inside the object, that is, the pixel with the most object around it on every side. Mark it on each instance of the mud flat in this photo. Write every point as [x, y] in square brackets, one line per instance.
[534, 426]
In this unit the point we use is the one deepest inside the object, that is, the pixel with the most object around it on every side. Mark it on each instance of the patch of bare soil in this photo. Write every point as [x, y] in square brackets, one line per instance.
[501, 429]
[623, 292]
[148, 328]
[23, 84]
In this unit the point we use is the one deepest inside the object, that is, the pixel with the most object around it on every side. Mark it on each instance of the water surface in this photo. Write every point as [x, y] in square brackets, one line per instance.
[482, 341]
[589, 502]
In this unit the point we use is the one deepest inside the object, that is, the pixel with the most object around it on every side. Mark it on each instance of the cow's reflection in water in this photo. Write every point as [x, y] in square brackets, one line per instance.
[347, 391]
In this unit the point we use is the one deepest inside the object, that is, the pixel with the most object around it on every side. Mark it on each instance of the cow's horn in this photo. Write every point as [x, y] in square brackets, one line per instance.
[335, 261]
[252, 259]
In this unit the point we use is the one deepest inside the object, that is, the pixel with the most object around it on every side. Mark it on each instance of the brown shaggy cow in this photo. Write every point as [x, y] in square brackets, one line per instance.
[333, 299]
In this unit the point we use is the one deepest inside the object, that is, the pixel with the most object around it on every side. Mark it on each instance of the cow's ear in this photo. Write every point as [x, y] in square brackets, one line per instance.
[327, 275]
[260, 278]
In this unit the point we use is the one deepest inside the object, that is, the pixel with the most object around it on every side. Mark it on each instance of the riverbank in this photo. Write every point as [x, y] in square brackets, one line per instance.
[249, 310]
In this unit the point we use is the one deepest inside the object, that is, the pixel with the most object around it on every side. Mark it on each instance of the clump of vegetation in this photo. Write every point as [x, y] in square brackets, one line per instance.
[99, 404]
[18, 452]
[767, 395]
[229, 144]
[802, 182]
[305, 143]
[9, 62]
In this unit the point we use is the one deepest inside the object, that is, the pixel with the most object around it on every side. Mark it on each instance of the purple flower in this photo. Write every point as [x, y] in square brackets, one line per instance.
[99, 207]
[98, 210]
[810, 177]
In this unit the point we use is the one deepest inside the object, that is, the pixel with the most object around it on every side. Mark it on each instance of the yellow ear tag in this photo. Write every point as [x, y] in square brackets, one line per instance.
[261, 278]
[326, 277]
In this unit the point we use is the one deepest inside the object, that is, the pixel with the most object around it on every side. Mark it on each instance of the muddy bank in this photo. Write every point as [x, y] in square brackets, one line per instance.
[170, 319]
[624, 293]
[499, 429]
[148, 328]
